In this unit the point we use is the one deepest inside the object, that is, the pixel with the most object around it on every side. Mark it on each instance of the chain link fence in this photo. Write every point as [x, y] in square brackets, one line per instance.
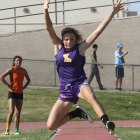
[43, 74]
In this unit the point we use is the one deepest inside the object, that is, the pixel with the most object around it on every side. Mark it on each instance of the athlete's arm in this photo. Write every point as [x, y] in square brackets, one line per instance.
[49, 27]
[94, 35]
[3, 75]
[121, 56]
[27, 78]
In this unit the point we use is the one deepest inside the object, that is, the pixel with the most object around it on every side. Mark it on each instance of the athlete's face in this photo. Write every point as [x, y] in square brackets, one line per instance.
[69, 40]
[120, 48]
[17, 62]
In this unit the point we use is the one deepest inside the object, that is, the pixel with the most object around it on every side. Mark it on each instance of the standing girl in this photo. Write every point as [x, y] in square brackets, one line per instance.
[15, 94]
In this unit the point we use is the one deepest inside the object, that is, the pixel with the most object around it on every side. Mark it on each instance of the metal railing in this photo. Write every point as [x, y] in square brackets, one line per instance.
[47, 75]
[55, 11]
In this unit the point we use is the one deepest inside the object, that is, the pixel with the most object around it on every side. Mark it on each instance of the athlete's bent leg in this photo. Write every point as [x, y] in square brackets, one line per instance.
[87, 94]
[59, 114]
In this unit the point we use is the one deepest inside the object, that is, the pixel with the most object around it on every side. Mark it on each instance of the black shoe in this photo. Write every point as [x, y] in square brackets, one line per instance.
[119, 88]
[110, 127]
[102, 88]
[84, 114]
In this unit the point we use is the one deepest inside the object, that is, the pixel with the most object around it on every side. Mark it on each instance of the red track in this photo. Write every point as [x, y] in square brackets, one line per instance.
[79, 130]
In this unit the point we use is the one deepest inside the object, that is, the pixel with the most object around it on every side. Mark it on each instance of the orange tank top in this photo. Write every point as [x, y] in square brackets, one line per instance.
[16, 79]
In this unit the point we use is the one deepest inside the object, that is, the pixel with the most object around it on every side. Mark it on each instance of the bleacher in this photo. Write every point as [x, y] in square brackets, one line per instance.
[36, 48]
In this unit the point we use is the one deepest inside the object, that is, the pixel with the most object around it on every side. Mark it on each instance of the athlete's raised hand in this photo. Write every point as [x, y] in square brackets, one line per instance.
[118, 7]
[46, 4]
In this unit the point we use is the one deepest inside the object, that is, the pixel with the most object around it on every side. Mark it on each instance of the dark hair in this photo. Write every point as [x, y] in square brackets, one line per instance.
[16, 58]
[95, 46]
[66, 30]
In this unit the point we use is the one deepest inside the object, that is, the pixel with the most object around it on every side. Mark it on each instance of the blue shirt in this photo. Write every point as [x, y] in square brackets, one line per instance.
[119, 61]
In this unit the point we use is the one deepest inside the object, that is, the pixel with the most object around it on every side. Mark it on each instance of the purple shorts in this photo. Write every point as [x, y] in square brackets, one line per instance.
[69, 91]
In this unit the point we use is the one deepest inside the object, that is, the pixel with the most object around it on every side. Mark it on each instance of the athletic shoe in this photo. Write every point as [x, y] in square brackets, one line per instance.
[110, 127]
[17, 133]
[84, 114]
[119, 88]
[102, 88]
[6, 132]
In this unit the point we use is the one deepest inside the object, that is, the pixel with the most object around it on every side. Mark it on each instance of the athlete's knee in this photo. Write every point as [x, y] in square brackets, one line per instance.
[51, 126]
[11, 112]
[17, 114]
[92, 99]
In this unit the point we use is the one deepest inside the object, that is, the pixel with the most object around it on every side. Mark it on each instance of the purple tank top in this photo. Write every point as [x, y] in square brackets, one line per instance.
[70, 64]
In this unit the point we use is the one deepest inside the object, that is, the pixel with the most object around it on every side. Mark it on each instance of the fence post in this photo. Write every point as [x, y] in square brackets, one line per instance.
[54, 74]
[15, 19]
[133, 77]
[55, 12]
[63, 14]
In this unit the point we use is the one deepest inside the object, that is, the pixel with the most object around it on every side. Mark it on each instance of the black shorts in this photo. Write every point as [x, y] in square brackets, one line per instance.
[15, 96]
[119, 72]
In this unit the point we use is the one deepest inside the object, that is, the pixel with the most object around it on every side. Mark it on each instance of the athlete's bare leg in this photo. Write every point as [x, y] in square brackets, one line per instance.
[59, 114]
[86, 93]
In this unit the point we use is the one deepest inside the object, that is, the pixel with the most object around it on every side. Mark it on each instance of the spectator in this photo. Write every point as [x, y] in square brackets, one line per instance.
[94, 68]
[15, 94]
[119, 62]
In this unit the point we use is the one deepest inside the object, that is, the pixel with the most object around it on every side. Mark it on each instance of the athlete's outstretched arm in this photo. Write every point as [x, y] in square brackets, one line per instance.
[49, 26]
[94, 35]
[27, 78]
[3, 75]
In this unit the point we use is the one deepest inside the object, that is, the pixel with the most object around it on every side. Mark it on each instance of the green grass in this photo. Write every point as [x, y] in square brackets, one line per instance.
[39, 101]
[42, 134]
[128, 133]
